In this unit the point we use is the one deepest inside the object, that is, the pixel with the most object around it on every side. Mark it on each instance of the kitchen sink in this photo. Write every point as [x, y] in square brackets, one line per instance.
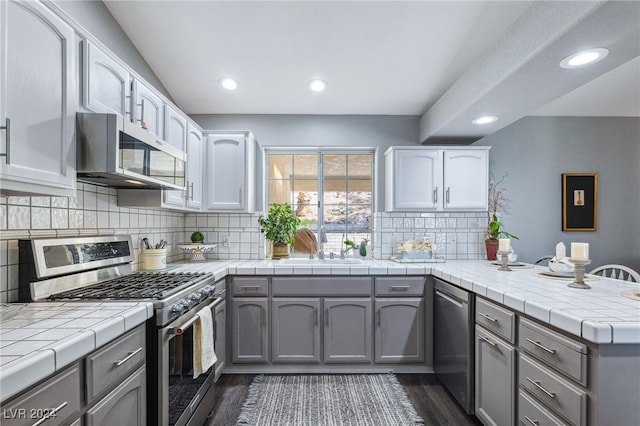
[317, 262]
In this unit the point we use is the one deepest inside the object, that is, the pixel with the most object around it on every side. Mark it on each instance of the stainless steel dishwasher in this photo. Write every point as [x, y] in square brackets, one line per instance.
[453, 360]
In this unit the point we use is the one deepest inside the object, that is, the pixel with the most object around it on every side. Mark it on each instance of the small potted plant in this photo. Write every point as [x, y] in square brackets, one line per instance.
[494, 231]
[197, 237]
[497, 201]
[279, 228]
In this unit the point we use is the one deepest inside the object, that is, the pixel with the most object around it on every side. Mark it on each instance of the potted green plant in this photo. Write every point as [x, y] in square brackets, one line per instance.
[497, 201]
[279, 228]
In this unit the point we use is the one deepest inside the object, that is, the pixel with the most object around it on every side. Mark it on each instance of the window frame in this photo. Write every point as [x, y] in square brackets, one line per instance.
[280, 150]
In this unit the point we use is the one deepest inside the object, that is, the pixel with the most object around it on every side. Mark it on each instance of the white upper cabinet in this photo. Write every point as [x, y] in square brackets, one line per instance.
[38, 100]
[106, 84]
[175, 128]
[230, 171]
[195, 153]
[413, 179]
[466, 179]
[147, 109]
[436, 178]
[191, 199]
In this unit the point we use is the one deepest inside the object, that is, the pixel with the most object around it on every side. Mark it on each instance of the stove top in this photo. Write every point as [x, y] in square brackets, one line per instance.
[135, 286]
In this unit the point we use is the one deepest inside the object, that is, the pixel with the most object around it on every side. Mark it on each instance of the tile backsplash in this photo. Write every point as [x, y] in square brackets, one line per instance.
[95, 211]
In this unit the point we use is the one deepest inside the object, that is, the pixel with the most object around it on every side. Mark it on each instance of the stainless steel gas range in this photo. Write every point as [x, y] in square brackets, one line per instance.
[99, 268]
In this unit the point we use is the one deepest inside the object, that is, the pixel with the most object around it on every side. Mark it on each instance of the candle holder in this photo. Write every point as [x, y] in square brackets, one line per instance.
[578, 270]
[504, 260]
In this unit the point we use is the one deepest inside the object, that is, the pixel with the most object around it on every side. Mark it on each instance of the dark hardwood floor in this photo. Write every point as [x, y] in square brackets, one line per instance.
[430, 399]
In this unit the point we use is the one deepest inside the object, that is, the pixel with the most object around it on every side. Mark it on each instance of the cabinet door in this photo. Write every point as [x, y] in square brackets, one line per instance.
[295, 330]
[125, 405]
[226, 189]
[147, 109]
[38, 100]
[495, 391]
[399, 335]
[220, 343]
[466, 179]
[175, 133]
[347, 330]
[416, 179]
[106, 83]
[195, 152]
[249, 331]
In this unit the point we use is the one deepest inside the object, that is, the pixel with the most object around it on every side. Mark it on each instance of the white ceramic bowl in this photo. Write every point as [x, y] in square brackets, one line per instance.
[560, 267]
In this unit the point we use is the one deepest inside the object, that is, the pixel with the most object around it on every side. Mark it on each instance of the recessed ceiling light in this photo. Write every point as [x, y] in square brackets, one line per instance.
[586, 57]
[486, 119]
[317, 85]
[135, 182]
[229, 83]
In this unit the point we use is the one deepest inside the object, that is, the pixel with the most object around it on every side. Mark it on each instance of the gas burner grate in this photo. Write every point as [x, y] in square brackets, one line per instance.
[139, 285]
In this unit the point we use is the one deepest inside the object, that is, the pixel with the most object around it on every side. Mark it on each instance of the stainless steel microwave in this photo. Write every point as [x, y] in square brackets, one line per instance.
[114, 152]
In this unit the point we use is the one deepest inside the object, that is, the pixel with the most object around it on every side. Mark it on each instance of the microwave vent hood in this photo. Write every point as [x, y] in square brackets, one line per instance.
[114, 152]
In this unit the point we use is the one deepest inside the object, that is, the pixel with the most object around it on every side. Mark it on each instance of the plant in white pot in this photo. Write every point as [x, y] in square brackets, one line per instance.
[279, 228]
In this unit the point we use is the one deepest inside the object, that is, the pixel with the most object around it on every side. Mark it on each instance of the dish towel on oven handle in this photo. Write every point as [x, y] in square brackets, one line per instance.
[204, 355]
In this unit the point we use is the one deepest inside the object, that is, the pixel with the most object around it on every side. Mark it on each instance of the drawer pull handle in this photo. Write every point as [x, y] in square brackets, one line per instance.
[484, 339]
[128, 357]
[539, 345]
[51, 413]
[487, 317]
[539, 386]
[400, 287]
[533, 422]
[250, 287]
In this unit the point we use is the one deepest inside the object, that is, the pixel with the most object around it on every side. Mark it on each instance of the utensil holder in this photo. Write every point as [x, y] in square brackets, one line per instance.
[154, 259]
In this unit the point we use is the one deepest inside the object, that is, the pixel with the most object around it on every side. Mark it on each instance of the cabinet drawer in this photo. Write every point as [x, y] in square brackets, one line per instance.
[57, 399]
[400, 286]
[558, 394]
[250, 286]
[114, 362]
[496, 319]
[530, 413]
[560, 352]
[321, 286]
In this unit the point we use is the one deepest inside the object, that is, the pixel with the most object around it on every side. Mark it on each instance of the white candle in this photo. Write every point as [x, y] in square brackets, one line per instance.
[504, 244]
[580, 251]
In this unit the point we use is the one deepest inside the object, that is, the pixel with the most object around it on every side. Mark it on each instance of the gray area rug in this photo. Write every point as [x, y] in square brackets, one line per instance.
[331, 400]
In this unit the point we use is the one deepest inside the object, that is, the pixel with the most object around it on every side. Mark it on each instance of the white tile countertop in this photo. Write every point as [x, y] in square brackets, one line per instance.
[38, 339]
[599, 315]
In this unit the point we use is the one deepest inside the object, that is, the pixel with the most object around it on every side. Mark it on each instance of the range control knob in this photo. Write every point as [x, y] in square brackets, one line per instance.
[208, 290]
[178, 308]
[196, 297]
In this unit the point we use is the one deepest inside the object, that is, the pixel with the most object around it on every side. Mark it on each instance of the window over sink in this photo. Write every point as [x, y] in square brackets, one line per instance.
[325, 187]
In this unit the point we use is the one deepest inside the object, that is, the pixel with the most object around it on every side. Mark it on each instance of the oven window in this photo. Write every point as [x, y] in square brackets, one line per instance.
[182, 386]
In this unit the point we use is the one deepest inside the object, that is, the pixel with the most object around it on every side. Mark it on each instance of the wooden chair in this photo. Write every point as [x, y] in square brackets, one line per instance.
[617, 272]
[544, 260]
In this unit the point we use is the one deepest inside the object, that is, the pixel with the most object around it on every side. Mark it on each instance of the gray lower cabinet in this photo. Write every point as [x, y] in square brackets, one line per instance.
[249, 330]
[53, 402]
[125, 405]
[399, 330]
[107, 387]
[347, 330]
[495, 379]
[295, 330]
[495, 364]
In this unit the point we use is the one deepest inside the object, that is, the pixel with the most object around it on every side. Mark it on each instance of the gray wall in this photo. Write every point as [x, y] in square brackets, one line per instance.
[535, 151]
[372, 131]
[96, 18]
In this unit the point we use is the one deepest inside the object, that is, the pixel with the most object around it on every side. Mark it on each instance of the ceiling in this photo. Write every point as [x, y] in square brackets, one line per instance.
[445, 61]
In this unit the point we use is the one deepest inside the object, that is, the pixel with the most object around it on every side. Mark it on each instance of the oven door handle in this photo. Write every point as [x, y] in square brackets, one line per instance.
[182, 328]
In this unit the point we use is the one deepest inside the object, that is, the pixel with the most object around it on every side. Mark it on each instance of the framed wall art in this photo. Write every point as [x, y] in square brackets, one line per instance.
[579, 202]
